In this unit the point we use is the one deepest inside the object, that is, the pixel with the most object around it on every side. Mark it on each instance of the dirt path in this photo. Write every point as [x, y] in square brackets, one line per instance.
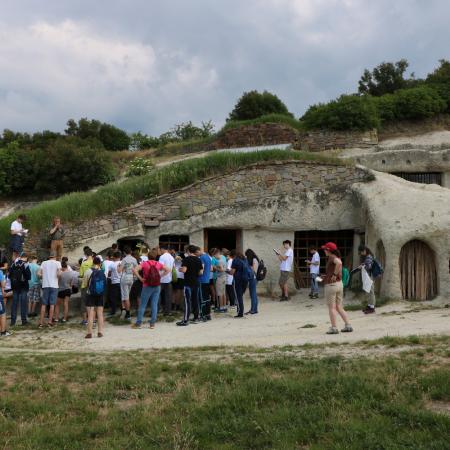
[277, 324]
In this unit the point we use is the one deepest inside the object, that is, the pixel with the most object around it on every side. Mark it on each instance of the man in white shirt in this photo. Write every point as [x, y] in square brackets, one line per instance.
[314, 269]
[49, 272]
[286, 262]
[17, 236]
[167, 260]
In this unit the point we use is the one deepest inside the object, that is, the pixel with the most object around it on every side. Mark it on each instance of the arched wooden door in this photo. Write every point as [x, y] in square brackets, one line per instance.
[418, 274]
[380, 254]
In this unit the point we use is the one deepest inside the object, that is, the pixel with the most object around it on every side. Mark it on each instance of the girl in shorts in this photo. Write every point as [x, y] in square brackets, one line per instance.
[64, 292]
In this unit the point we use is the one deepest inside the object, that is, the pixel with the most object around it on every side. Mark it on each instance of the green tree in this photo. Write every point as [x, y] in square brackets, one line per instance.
[113, 138]
[254, 104]
[439, 80]
[385, 78]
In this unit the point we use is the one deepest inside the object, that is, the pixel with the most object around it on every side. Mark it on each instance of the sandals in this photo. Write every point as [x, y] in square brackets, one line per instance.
[88, 336]
[100, 335]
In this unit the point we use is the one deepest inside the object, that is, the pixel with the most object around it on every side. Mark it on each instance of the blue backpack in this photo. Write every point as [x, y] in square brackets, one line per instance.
[377, 269]
[97, 282]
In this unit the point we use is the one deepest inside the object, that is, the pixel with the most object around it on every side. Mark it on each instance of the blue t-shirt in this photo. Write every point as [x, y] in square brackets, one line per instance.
[2, 279]
[34, 280]
[206, 261]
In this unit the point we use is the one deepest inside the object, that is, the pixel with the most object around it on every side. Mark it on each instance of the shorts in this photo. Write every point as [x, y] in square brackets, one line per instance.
[49, 296]
[284, 277]
[34, 294]
[65, 293]
[220, 286]
[2, 307]
[334, 293]
[125, 288]
[94, 301]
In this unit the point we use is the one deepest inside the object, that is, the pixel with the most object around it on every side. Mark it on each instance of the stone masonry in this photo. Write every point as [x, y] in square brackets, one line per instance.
[249, 184]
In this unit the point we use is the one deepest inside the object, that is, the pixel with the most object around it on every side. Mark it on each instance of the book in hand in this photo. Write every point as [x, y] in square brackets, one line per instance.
[276, 252]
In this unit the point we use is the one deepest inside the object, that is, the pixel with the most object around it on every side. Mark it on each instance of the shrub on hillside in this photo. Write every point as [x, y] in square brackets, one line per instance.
[254, 104]
[64, 166]
[418, 103]
[348, 112]
[139, 166]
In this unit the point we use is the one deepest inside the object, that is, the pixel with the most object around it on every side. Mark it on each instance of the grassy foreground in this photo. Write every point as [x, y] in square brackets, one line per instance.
[182, 400]
[80, 206]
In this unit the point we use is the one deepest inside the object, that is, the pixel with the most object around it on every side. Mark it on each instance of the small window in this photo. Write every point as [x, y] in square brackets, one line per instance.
[174, 241]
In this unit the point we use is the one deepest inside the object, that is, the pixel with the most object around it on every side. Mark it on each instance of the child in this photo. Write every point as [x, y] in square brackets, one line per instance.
[3, 332]
[64, 291]
[34, 292]
[94, 298]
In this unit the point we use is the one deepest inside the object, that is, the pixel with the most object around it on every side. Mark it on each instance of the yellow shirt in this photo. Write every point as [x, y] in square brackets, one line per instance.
[85, 265]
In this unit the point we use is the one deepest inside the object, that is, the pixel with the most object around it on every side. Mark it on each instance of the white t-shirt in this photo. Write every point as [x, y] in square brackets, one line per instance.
[286, 266]
[16, 226]
[168, 260]
[229, 277]
[115, 275]
[313, 268]
[50, 273]
[144, 258]
[107, 264]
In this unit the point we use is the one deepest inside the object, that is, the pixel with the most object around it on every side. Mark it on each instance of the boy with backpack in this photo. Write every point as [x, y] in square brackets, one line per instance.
[152, 271]
[374, 270]
[20, 275]
[95, 297]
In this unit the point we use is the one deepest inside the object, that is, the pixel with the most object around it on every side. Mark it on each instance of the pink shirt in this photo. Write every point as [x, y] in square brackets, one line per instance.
[146, 268]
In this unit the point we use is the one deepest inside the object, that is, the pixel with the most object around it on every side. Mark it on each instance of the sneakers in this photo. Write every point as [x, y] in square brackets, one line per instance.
[183, 323]
[5, 334]
[333, 330]
[136, 326]
[347, 329]
[368, 310]
[315, 296]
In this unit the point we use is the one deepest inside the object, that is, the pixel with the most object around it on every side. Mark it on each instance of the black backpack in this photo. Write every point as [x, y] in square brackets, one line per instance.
[17, 274]
[261, 271]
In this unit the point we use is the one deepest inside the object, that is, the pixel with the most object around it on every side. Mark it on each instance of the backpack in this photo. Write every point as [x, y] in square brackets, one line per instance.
[345, 276]
[97, 282]
[17, 274]
[377, 269]
[261, 272]
[153, 277]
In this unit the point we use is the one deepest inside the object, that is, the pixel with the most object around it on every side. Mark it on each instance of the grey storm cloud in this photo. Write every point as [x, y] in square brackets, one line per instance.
[146, 65]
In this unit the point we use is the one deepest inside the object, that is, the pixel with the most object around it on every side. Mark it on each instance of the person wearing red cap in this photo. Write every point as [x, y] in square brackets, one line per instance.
[334, 289]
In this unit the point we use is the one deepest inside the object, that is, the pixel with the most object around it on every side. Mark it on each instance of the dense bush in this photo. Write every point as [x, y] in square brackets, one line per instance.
[254, 104]
[111, 137]
[348, 112]
[415, 103]
[64, 166]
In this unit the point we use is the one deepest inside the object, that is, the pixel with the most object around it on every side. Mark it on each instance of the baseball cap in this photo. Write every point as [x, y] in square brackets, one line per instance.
[330, 246]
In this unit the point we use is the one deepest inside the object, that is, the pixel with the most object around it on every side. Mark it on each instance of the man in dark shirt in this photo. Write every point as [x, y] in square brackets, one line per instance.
[192, 268]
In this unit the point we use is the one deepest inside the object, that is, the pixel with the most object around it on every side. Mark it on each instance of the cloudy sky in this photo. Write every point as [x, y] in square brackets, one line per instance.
[146, 64]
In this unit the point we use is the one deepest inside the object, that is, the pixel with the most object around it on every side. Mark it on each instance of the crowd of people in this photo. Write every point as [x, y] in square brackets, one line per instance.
[193, 282]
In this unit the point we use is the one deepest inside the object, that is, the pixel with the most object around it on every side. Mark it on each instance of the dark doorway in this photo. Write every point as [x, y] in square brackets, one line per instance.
[223, 238]
[131, 242]
[316, 238]
[421, 177]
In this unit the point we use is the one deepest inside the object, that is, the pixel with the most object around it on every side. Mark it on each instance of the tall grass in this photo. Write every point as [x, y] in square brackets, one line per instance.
[80, 206]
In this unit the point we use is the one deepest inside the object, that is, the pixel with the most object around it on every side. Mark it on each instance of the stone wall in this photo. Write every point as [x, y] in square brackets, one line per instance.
[261, 181]
[328, 140]
[254, 135]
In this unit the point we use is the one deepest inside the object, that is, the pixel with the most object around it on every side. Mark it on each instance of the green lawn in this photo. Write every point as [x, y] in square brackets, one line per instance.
[188, 399]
